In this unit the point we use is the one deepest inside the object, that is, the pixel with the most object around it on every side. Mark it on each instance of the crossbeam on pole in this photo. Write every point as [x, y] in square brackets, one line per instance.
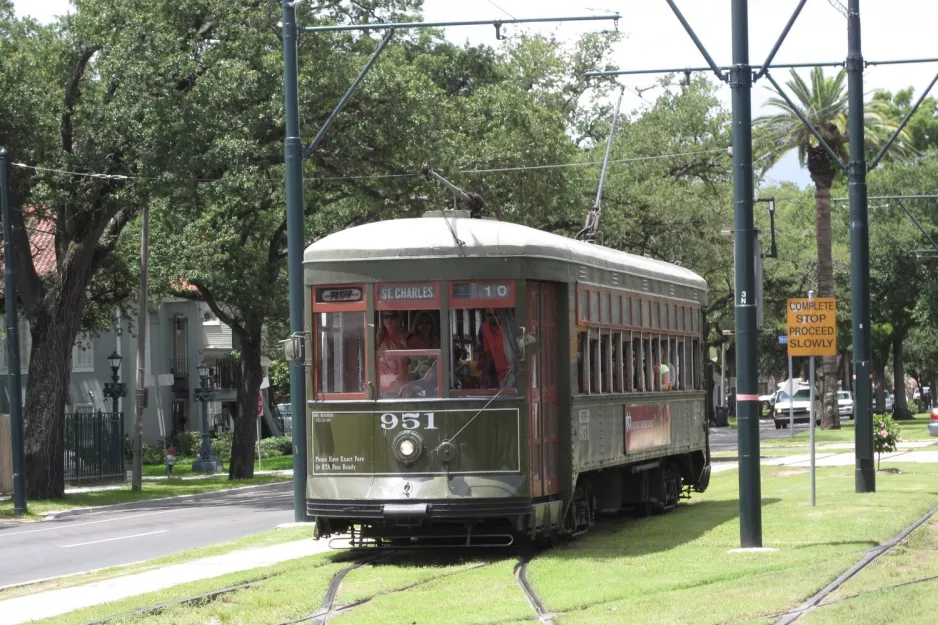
[905, 121]
[497, 23]
[808, 124]
[781, 39]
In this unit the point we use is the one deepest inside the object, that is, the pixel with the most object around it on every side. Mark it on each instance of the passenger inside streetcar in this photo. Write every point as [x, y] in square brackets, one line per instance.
[423, 333]
[497, 352]
[392, 370]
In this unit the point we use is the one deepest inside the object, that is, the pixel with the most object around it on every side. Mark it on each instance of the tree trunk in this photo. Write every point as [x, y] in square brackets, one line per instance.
[900, 407]
[50, 365]
[821, 170]
[241, 465]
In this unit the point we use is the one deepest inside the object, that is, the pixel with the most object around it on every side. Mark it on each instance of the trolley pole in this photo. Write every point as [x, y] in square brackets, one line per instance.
[865, 475]
[13, 344]
[293, 161]
[747, 395]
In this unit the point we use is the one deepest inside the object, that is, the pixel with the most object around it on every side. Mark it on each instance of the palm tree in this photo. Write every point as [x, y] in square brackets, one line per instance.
[824, 104]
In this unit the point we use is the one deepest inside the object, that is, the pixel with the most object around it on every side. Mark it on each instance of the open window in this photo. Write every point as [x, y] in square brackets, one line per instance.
[484, 333]
[407, 340]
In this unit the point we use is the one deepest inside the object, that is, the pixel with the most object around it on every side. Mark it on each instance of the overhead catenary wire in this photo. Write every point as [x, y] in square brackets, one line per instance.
[519, 168]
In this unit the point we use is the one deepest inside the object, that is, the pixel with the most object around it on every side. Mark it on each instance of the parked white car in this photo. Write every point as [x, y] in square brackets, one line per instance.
[889, 400]
[800, 404]
[845, 404]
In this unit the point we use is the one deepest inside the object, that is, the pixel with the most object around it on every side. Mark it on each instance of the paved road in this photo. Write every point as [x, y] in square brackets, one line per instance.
[724, 439]
[80, 543]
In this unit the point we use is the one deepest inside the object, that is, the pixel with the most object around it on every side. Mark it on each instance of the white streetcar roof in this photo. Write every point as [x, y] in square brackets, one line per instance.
[430, 237]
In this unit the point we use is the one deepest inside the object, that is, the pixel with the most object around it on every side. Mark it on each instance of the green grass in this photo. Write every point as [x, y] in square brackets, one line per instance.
[914, 429]
[261, 539]
[675, 568]
[291, 590]
[151, 490]
[678, 568]
[868, 596]
[183, 468]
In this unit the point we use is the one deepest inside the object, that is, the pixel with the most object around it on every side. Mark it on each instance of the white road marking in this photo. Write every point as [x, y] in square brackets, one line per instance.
[122, 518]
[106, 540]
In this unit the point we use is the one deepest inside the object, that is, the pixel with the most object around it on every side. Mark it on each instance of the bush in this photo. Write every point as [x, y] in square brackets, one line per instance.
[222, 444]
[187, 444]
[151, 455]
[885, 436]
[277, 446]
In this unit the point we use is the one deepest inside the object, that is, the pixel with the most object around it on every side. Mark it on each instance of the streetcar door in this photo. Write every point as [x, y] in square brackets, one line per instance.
[543, 392]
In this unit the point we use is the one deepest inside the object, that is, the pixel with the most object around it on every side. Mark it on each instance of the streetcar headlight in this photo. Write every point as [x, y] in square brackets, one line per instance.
[407, 448]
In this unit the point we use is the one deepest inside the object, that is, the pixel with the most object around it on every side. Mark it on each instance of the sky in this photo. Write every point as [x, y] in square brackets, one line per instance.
[654, 38]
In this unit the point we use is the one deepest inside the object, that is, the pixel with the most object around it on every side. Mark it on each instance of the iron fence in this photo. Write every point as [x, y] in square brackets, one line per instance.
[180, 370]
[226, 373]
[94, 447]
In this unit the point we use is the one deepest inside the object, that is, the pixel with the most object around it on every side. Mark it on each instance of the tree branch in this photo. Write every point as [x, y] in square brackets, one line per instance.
[71, 94]
[209, 298]
[29, 285]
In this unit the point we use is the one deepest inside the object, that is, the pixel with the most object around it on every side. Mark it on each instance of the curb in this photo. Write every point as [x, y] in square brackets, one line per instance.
[153, 503]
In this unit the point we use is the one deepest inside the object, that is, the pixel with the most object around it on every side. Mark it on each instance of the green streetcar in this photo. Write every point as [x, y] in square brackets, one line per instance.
[473, 381]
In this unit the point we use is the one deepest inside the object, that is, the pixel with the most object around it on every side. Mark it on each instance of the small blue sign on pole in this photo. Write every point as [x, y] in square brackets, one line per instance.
[783, 340]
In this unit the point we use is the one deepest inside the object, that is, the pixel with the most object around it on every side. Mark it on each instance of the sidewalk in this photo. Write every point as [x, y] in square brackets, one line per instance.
[824, 458]
[55, 602]
[89, 489]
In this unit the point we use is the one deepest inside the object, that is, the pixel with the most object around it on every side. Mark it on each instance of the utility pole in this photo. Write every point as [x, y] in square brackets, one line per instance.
[13, 344]
[865, 474]
[747, 394]
[141, 395]
[293, 160]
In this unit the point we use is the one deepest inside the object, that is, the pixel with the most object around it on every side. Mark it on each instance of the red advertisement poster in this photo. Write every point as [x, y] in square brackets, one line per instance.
[647, 427]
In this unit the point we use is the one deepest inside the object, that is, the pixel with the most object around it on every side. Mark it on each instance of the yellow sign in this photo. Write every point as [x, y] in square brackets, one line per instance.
[812, 326]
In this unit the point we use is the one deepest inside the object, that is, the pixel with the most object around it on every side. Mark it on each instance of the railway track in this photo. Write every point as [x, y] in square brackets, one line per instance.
[521, 574]
[815, 601]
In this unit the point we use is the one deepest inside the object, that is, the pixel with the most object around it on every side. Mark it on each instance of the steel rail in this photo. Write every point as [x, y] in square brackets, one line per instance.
[793, 615]
[521, 573]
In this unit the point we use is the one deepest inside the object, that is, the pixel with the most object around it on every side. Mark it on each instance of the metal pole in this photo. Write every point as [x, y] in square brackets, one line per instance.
[348, 95]
[791, 401]
[293, 159]
[864, 473]
[747, 395]
[811, 417]
[142, 321]
[115, 397]
[13, 345]
[402, 25]
[723, 374]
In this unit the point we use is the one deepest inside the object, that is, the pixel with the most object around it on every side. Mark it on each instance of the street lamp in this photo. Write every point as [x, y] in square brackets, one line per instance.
[115, 389]
[207, 462]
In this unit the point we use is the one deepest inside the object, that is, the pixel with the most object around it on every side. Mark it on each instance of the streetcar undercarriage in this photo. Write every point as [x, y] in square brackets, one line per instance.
[644, 489]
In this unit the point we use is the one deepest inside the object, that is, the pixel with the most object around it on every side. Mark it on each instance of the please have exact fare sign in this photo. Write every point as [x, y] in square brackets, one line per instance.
[812, 326]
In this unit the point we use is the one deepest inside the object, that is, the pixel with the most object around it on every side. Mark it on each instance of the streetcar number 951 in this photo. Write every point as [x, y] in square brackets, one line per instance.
[408, 421]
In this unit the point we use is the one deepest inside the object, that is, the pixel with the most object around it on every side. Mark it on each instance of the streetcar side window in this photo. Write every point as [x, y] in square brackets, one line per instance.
[340, 349]
[484, 343]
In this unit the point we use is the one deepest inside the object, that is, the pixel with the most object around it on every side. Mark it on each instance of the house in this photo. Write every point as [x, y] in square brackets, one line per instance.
[181, 333]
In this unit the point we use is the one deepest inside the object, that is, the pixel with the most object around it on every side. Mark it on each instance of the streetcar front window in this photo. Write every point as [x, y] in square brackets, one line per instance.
[340, 350]
[408, 352]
